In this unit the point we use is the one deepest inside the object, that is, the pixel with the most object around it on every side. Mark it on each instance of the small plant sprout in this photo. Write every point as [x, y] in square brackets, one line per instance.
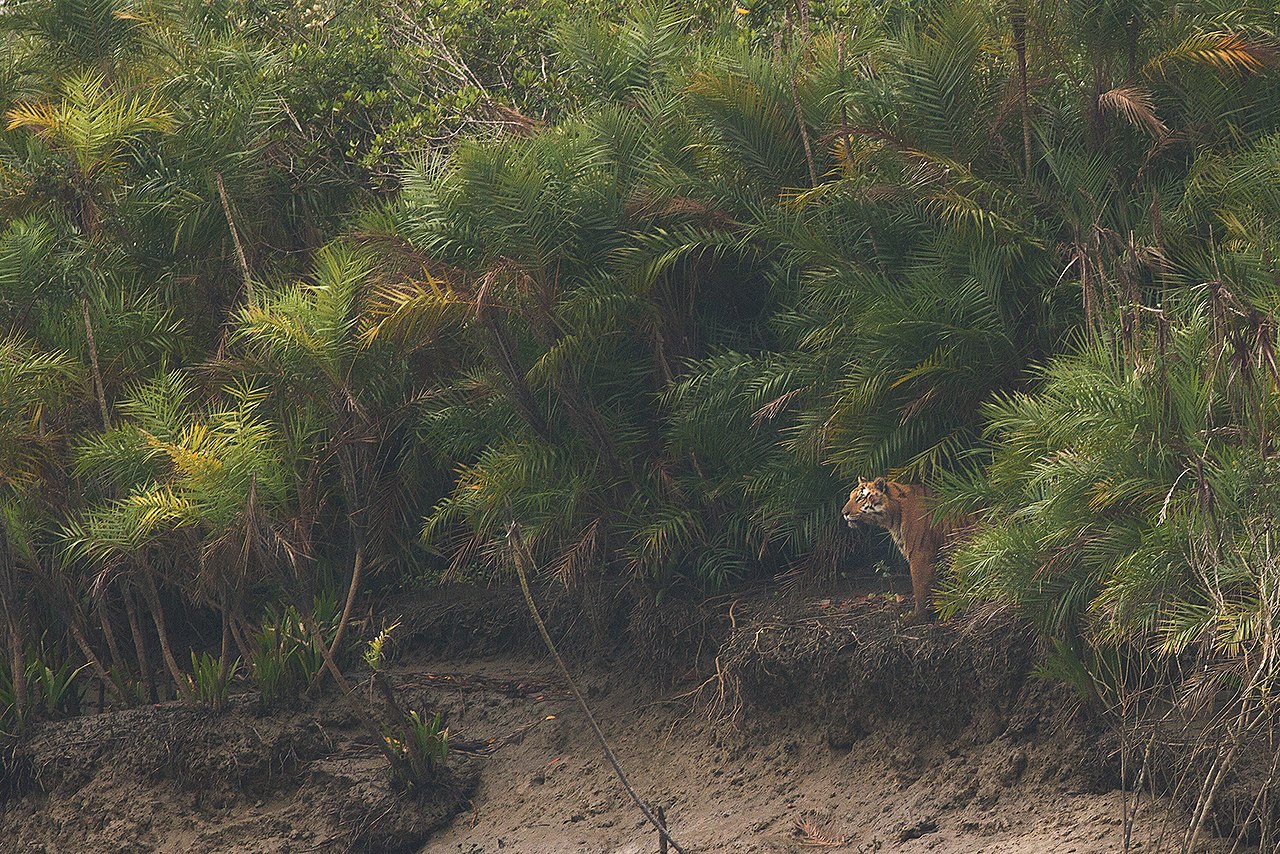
[421, 749]
[208, 686]
[375, 652]
[285, 657]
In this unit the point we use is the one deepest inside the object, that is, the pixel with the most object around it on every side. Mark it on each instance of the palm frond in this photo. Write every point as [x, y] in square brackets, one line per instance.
[1134, 104]
[1228, 52]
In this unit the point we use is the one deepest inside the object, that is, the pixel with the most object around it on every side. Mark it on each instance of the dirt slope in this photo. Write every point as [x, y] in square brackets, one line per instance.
[848, 729]
[818, 721]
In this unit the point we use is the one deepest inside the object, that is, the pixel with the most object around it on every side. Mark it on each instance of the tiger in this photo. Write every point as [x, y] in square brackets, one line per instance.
[903, 510]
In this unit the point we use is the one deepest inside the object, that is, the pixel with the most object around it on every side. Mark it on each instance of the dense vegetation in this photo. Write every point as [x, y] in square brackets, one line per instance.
[299, 297]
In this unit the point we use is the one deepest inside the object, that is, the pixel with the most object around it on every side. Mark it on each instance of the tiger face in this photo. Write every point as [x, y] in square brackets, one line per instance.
[868, 503]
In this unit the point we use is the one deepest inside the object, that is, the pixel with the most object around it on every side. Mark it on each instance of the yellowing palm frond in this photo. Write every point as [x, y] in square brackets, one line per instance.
[412, 314]
[192, 455]
[156, 510]
[91, 122]
[37, 116]
[1224, 51]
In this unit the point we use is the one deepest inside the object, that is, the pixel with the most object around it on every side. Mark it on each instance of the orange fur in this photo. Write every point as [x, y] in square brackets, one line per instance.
[902, 510]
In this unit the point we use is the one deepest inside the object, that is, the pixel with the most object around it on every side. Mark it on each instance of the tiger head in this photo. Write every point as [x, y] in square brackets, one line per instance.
[868, 503]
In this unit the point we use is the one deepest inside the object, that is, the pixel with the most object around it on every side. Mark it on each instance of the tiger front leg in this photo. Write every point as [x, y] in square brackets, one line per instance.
[922, 571]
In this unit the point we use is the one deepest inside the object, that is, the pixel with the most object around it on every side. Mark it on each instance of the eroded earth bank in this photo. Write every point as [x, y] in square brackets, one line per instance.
[783, 723]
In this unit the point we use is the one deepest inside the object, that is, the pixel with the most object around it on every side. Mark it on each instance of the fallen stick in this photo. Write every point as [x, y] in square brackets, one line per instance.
[523, 561]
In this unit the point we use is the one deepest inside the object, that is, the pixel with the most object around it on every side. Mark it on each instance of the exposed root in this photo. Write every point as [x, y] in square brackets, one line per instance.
[865, 635]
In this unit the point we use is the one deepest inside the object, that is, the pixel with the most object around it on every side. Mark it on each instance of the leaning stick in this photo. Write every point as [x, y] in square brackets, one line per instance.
[235, 238]
[523, 560]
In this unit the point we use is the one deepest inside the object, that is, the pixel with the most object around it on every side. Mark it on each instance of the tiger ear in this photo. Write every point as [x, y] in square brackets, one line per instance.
[879, 484]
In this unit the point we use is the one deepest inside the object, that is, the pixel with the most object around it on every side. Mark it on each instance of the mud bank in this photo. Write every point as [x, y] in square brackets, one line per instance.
[789, 723]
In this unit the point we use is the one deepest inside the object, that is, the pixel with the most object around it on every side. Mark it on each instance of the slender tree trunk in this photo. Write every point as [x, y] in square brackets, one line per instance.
[778, 33]
[235, 238]
[118, 661]
[93, 361]
[224, 654]
[355, 470]
[352, 589]
[77, 623]
[1018, 22]
[113, 645]
[239, 627]
[802, 16]
[86, 649]
[525, 567]
[162, 630]
[140, 645]
[18, 665]
[326, 652]
[359, 482]
[366, 714]
[804, 132]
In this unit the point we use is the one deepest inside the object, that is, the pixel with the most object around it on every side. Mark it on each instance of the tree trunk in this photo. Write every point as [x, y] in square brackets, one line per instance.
[802, 16]
[180, 680]
[356, 571]
[500, 351]
[366, 714]
[86, 649]
[1018, 22]
[18, 666]
[235, 238]
[804, 130]
[77, 623]
[354, 472]
[224, 655]
[93, 362]
[140, 646]
[239, 628]
[317, 638]
[113, 645]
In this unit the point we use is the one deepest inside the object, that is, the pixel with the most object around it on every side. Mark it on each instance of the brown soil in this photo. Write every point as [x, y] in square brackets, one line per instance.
[177, 779]
[813, 723]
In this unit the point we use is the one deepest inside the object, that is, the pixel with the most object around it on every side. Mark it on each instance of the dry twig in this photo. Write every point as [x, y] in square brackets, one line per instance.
[523, 560]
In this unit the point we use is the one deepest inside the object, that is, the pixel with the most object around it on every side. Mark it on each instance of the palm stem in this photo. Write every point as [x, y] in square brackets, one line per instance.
[98, 385]
[139, 644]
[180, 680]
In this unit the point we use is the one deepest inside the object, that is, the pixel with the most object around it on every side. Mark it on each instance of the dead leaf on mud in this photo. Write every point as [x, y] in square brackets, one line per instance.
[819, 834]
